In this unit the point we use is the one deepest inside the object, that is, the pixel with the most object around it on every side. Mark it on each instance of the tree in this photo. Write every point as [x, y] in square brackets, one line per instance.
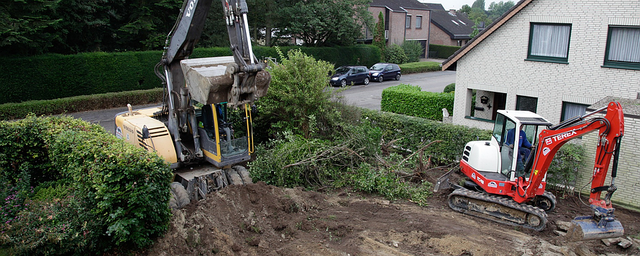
[326, 22]
[497, 9]
[478, 4]
[378, 35]
[27, 27]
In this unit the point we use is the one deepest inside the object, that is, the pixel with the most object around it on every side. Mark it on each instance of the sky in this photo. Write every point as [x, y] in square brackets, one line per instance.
[455, 4]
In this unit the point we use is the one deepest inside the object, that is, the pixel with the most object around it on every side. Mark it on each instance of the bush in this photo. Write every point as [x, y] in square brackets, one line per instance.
[395, 54]
[443, 51]
[11, 111]
[450, 88]
[413, 50]
[94, 191]
[297, 95]
[565, 166]
[410, 100]
[419, 67]
[412, 132]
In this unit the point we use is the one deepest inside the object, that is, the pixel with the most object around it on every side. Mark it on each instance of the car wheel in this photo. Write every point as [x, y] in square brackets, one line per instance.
[366, 81]
[343, 83]
[380, 79]
[397, 77]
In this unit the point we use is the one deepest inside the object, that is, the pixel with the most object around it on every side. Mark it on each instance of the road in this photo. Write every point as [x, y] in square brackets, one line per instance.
[368, 96]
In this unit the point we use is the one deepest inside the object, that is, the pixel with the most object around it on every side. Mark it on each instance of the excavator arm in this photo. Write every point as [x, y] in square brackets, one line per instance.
[610, 131]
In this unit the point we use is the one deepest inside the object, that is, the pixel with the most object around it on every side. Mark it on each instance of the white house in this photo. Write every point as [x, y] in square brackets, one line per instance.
[555, 58]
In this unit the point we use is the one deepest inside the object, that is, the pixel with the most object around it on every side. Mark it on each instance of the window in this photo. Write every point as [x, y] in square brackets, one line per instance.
[407, 21]
[570, 110]
[527, 103]
[549, 42]
[623, 48]
[418, 21]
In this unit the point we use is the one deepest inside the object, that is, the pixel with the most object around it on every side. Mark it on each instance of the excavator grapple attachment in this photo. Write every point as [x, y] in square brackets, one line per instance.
[587, 228]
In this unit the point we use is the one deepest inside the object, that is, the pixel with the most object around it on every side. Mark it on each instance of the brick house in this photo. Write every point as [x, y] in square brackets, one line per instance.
[448, 27]
[555, 58]
[404, 20]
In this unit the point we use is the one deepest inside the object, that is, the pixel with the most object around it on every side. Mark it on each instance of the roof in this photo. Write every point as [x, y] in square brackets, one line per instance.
[451, 61]
[630, 107]
[456, 26]
[434, 7]
[399, 5]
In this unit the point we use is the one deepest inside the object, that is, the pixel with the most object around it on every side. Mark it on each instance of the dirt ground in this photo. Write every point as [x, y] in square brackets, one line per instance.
[260, 219]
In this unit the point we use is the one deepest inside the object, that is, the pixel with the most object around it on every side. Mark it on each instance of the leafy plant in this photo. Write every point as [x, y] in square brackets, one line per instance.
[395, 54]
[450, 88]
[413, 50]
[419, 67]
[565, 166]
[411, 100]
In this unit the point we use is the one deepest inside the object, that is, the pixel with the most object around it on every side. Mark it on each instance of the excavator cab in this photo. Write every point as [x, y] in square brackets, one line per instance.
[514, 156]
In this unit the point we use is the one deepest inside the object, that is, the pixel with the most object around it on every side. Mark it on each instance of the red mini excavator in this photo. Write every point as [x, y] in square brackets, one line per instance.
[508, 179]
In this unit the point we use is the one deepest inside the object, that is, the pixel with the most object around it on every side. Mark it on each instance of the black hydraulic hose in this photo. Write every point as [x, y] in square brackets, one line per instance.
[614, 168]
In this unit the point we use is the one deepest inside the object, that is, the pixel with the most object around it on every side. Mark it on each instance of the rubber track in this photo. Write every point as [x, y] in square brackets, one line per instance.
[493, 200]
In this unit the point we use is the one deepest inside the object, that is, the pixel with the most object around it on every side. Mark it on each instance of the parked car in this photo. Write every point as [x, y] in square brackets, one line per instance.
[350, 74]
[384, 71]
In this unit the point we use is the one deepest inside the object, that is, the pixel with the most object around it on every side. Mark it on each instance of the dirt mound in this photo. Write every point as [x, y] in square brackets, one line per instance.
[259, 219]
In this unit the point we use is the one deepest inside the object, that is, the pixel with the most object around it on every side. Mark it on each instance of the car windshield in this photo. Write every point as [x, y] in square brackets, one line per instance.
[342, 70]
[377, 67]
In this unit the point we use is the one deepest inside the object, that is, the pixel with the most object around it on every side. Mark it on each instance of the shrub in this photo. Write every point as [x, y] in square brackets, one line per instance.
[413, 50]
[297, 95]
[565, 166]
[450, 88]
[395, 54]
[410, 100]
[412, 132]
[94, 191]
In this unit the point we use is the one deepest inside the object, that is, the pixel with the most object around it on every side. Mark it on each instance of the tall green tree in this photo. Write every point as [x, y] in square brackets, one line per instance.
[497, 9]
[478, 4]
[327, 22]
[378, 36]
[27, 27]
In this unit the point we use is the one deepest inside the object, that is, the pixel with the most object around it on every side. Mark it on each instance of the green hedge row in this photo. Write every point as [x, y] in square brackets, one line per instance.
[11, 111]
[410, 100]
[58, 76]
[414, 132]
[114, 194]
[443, 51]
[419, 67]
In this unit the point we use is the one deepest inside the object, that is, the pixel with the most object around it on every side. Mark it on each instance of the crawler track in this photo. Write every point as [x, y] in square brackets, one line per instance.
[498, 209]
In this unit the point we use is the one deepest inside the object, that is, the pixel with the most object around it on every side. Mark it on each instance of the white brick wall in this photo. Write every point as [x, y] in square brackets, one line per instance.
[498, 64]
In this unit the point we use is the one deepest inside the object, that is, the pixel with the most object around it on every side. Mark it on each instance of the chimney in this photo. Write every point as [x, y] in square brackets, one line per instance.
[452, 11]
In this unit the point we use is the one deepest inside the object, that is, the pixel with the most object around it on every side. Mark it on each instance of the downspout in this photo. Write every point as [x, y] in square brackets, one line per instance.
[426, 47]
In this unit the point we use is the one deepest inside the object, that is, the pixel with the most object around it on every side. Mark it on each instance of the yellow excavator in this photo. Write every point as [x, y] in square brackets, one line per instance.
[193, 130]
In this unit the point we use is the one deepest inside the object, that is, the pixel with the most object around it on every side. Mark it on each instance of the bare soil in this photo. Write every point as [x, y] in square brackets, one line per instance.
[260, 219]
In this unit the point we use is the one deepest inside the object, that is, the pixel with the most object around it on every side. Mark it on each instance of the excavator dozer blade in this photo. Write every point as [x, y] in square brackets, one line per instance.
[586, 228]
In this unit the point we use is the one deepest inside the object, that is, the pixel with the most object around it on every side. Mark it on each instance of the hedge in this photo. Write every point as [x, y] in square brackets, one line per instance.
[410, 100]
[414, 132]
[419, 67]
[118, 193]
[11, 111]
[443, 51]
[57, 76]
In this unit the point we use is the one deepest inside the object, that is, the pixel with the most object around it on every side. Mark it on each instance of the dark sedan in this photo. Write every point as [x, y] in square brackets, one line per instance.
[384, 71]
[347, 75]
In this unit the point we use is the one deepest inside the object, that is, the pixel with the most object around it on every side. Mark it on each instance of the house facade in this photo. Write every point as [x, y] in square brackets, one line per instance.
[555, 58]
[404, 20]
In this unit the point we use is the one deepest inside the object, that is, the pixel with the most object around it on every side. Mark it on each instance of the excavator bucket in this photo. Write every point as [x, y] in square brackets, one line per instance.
[587, 228]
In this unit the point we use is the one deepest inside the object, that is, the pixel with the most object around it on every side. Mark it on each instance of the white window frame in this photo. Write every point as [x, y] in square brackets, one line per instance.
[419, 22]
[407, 21]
